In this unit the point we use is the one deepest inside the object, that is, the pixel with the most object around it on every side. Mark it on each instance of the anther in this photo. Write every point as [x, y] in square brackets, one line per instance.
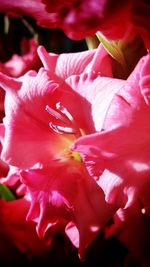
[60, 129]
[65, 117]
[55, 114]
[64, 111]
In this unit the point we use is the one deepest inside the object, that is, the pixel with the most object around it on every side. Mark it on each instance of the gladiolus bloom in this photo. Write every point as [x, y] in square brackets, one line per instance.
[44, 116]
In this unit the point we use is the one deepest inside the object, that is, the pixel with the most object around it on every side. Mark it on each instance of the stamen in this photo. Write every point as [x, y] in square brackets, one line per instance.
[54, 128]
[60, 129]
[70, 124]
[54, 113]
[64, 111]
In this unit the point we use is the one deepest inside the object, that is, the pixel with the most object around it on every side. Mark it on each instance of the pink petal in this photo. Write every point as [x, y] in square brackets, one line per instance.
[27, 123]
[118, 191]
[65, 65]
[98, 91]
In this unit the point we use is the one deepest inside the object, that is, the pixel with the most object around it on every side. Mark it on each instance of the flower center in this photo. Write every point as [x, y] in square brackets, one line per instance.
[70, 127]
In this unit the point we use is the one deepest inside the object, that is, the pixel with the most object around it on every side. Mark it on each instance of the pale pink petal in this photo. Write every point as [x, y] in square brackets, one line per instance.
[117, 190]
[101, 62]
[65, 65]
[13, 176]
[27, 122]
[98, 91]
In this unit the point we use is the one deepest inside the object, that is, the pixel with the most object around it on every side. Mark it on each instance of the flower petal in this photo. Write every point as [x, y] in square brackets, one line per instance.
[98, 91]
[65, 65]
[26, 121]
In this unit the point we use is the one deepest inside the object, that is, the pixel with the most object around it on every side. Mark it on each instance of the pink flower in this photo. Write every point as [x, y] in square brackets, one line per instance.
[34, 8]
[18, 65]
[44, 116]
[80, 19]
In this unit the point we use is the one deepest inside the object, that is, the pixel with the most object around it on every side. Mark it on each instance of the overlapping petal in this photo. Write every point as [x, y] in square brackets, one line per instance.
[60, 197]
[67, 64]
[122, 147]
[99, 92]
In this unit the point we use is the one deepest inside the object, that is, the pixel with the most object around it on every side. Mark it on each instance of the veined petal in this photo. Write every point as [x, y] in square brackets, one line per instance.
[26, 122]
[98, 91]
[100, 59]
[65, 65]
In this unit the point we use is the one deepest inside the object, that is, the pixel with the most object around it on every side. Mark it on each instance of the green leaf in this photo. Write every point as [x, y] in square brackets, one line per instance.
[5, 193]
